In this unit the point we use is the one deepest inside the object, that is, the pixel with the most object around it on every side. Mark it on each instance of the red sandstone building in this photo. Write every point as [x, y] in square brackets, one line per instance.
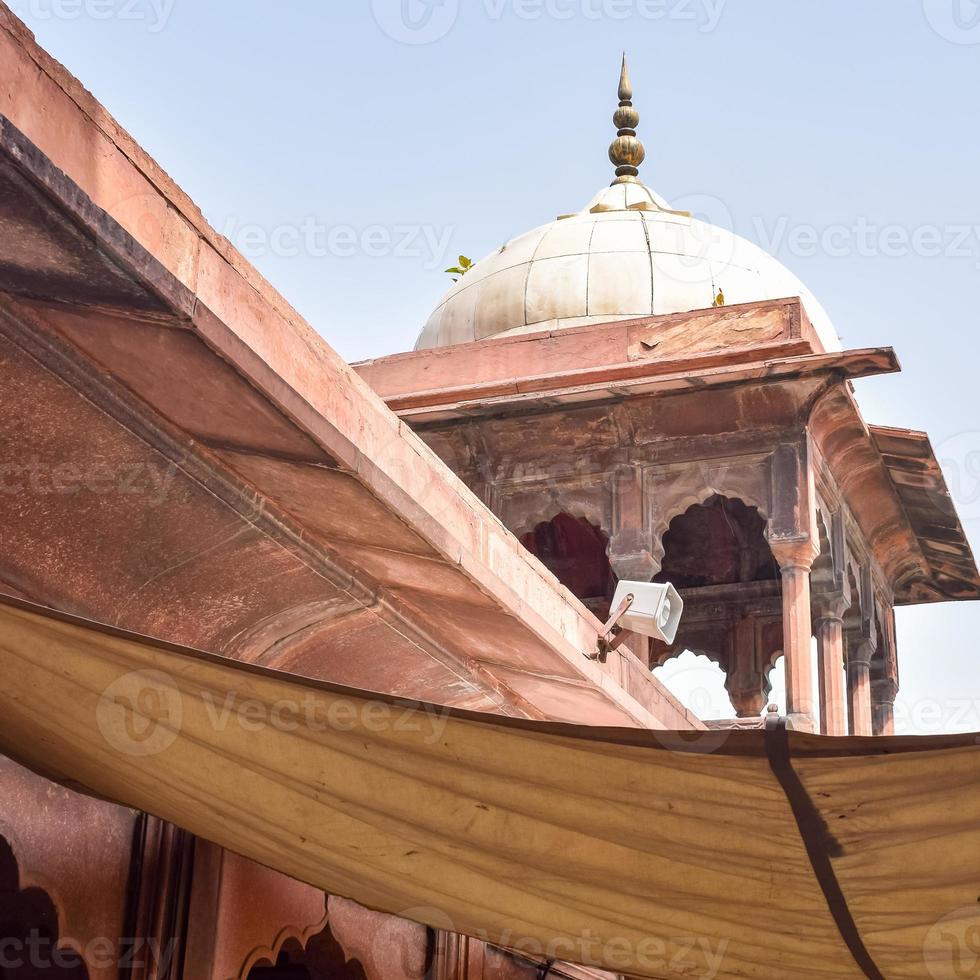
[625, 393]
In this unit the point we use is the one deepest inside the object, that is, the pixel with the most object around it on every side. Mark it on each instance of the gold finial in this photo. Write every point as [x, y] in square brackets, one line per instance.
[626, 151]
[625, 85]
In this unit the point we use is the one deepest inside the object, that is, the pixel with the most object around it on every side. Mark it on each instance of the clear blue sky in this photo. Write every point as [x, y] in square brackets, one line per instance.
[352, 163]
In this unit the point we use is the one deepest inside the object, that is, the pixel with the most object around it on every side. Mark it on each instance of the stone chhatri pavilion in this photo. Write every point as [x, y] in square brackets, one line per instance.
[183, 456]
[637, 394]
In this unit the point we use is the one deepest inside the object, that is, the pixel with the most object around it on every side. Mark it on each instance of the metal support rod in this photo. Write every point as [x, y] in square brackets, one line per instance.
[609, 641]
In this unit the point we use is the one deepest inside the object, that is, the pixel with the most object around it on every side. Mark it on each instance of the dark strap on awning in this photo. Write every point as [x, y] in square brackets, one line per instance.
[820, 843]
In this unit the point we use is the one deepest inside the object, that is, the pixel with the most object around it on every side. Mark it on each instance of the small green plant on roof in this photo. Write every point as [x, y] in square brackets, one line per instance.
[460, 270]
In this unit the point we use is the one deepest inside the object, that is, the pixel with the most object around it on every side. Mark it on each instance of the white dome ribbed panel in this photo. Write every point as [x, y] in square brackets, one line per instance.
[625, 255]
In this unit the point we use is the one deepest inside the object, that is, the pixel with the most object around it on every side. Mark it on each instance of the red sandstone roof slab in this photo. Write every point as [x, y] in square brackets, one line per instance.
[617, 350]
[775, 362]
[207, 314]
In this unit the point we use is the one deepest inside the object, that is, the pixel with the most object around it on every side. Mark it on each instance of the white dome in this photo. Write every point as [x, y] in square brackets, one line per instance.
[626, 254]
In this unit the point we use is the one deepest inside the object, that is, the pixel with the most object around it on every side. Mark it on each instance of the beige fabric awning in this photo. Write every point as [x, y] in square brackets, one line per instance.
[707, 854]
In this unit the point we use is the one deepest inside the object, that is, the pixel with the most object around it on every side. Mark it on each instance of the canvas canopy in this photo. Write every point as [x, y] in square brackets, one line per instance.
[652, 854]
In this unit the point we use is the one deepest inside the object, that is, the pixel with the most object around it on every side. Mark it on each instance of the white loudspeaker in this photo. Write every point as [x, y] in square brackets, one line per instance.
[656, 609]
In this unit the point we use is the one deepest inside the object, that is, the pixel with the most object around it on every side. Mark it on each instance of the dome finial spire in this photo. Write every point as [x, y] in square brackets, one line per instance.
[625, 86]
[626, 151]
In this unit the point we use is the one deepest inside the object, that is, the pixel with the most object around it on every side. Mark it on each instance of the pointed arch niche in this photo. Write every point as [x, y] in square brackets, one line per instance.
[574, 550]
[717, 555]
[320, 958]
[30, 929]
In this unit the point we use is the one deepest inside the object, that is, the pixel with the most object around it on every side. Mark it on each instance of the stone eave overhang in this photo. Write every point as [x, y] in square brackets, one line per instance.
[918, 480]
[897, 490]
[898, 494]
[779, 363]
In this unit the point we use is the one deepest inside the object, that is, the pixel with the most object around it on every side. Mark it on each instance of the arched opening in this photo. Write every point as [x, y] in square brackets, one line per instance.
[698, 683]
[719, 542]
[322, 958]
[879, 673]
[777, 680]
[574, 551]
[828, 589]
[853, 624]
[29, 930]
[717, 555]
[822, 575]
[290, 965]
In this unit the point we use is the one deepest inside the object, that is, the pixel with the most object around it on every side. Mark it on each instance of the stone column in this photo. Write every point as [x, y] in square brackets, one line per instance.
[884, 689]
[795, 559]
[159, 907]
[744, 679]
[883, 694]
[629, 545]
[859, 655]
[629, 552]
[829, 628]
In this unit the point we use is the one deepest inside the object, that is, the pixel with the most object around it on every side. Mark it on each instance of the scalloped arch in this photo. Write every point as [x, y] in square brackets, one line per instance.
[547, 512]
[688, 502]
[25, 883]
[682, 504]
[270, 953]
